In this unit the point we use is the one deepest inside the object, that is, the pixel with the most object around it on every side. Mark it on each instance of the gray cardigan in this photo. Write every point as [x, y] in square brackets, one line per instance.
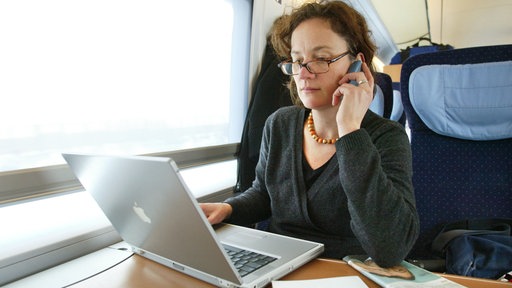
[363, 203]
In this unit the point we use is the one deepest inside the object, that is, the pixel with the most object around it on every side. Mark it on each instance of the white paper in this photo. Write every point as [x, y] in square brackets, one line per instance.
[334, 282]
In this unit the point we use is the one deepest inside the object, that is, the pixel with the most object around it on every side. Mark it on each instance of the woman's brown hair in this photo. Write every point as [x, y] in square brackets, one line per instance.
[343, 19]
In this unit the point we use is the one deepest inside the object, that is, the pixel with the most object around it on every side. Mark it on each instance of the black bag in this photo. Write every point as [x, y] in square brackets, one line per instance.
[416, 49]
[477, 248]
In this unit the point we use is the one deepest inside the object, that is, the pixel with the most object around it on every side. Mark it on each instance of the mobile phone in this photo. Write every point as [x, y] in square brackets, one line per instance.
[355, 67]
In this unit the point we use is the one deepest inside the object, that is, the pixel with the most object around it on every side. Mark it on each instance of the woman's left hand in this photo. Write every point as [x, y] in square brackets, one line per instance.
[353, 100]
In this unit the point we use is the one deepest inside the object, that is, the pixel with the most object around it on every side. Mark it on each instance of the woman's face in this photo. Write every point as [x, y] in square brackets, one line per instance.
[313, 40]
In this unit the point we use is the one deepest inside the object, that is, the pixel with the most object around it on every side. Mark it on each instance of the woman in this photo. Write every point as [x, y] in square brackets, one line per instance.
[330, 170]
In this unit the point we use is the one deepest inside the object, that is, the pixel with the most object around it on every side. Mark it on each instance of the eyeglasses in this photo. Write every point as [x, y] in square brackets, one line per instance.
[315, 67]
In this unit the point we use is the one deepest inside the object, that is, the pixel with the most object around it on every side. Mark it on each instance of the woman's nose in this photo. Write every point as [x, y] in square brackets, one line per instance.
[304, 73]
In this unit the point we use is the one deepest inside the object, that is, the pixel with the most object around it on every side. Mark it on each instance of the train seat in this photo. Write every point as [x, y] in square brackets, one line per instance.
[385, 102]
[458, 105]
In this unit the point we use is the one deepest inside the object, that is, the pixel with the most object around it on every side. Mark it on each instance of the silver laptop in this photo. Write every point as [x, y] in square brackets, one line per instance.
[148, 203]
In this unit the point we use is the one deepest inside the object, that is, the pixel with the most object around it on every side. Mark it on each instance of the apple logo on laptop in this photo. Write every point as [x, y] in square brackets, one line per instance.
[140, 212]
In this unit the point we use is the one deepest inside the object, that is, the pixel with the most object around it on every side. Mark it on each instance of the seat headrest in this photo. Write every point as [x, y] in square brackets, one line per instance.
[469, 101]
[377, 105]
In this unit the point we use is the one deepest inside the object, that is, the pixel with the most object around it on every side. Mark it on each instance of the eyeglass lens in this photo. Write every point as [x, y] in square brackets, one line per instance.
[313, 67]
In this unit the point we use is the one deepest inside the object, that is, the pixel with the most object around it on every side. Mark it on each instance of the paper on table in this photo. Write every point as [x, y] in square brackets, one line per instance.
[334, 282]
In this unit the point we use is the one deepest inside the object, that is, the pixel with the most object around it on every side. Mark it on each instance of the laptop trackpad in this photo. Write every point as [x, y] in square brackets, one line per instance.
[244, 237]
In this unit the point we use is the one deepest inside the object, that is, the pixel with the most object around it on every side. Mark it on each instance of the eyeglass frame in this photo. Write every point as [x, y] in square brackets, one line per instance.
[306, 65]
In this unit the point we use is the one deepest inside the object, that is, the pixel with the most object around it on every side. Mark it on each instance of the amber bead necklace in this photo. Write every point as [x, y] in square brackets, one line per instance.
[312, 131]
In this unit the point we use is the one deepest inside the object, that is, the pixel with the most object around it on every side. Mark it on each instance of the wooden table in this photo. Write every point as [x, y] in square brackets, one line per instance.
[137, 271]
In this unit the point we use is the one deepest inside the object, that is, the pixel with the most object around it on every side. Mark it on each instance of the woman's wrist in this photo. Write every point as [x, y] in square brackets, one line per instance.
[227, 210]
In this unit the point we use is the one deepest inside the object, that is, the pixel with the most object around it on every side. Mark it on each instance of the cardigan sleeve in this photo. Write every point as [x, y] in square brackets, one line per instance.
[253, 205]
[376, 174]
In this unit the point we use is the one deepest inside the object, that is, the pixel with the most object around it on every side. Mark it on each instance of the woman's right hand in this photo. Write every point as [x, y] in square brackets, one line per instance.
[216, 212]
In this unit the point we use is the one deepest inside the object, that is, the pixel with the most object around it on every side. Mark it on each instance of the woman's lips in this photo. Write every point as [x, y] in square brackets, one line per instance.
[309, 89]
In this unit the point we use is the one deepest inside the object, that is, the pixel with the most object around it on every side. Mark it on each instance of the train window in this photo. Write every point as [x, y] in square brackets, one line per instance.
[130, 77]
[122, 77]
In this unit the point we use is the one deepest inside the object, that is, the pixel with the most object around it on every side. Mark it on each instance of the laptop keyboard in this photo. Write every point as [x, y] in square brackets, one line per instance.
[247, 261]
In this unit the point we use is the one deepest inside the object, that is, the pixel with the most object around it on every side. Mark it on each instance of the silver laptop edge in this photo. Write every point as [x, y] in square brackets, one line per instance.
[275, 274]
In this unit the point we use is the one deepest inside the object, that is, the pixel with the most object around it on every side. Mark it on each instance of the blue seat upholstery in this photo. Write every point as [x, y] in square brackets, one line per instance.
[398, 113]
[385, 103]
[458, 105]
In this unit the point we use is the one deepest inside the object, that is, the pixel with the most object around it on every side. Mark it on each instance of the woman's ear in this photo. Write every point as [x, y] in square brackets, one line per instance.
[360, 56]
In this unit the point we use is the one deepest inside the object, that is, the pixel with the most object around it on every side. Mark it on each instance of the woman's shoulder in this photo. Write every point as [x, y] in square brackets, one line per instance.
[286, 113]
[383, 128]
[373, 121]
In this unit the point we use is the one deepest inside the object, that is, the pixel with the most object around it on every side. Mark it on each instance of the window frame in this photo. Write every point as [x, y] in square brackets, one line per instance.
[29, 184]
